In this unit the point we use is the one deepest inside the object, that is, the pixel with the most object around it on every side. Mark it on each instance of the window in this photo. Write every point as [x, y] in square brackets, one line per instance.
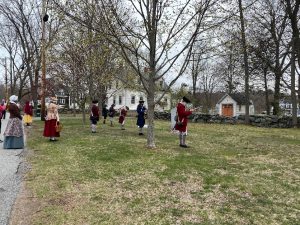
[61, 101]
[132, 99]
[114, 100]
[61, 92]
[240, 108]
[120, 100]
[161, 84]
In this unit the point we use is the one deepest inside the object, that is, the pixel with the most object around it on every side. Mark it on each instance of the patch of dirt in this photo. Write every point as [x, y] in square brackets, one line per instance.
[24, 208]
[25, 205]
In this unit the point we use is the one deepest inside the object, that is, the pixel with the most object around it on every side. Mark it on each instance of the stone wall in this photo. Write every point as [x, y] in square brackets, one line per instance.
[255, 120]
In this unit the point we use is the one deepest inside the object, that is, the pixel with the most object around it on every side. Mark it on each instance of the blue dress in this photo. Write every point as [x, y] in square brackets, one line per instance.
[141, 115]
[13, 135]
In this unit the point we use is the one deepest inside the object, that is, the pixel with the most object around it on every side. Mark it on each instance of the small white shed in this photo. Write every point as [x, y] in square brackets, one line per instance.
[231, 105]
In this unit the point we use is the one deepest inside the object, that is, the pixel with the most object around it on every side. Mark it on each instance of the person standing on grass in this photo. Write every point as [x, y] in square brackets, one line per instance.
[3, 105]
[104, 113]
[111, 114]
[52, 120]
[182, 120]
[123, 113]
[2, 108]
[94, 117]
[13, 134]
[28, 114]
[141, 110]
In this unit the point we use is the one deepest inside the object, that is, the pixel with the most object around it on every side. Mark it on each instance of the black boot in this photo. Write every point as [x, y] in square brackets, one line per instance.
[183, 141]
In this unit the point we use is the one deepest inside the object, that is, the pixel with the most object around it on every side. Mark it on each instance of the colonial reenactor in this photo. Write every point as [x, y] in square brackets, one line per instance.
[123, 113]
[111, 114]
[52, 120]
[141, 110]
[94, 116]
[104, 113]
[182, 120]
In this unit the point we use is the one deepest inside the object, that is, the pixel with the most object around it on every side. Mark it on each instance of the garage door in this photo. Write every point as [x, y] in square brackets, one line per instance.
[227, 110]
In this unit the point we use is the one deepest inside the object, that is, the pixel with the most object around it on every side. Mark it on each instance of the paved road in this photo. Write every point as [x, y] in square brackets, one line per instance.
[11, 167]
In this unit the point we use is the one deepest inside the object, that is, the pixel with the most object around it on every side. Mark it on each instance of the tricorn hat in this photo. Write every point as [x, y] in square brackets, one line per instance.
[95, 101]
[185, 99]
[127, 108]
[141, 101]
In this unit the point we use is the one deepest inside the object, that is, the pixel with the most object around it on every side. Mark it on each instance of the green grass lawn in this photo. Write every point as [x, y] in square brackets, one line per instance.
[232, 174]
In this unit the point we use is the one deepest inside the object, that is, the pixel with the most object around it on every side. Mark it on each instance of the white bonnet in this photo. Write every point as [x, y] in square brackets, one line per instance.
[13, 98]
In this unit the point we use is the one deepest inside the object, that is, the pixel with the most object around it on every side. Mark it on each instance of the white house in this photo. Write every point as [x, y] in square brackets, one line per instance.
[123, 96]
[286, 107]
[231, 105]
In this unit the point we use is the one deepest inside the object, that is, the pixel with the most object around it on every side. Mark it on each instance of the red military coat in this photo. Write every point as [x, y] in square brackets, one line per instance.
[182, 116]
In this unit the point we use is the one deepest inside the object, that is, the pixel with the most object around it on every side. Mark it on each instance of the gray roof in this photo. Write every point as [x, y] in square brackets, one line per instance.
[238, 97]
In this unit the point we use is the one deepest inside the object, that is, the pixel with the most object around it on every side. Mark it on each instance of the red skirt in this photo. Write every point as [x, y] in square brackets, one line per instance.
[49, 129]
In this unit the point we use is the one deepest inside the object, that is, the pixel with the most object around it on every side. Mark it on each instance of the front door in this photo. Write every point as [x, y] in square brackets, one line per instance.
[227, 110]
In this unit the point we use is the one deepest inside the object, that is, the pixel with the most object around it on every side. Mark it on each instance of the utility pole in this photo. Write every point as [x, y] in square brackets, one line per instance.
[43, 59]
[6, 81]
[4, 60]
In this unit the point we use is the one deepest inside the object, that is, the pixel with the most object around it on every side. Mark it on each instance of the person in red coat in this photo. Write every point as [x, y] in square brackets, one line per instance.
[123, 113]
[94, 117]
[28, 113]
[182, 120]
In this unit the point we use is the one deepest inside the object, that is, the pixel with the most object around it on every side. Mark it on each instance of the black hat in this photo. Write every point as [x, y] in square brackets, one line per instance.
[142, 101]
[95, 101]
[127, 108]
[185, 99]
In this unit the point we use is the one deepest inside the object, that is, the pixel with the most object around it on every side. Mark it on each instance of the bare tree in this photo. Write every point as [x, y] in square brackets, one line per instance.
[246, 64]
[151, 34]
[23, 19]
[293, 13]
[154, 37]
[273, 28]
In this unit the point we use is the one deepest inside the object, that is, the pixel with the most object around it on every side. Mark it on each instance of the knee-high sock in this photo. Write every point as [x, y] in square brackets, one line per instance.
[93, 127]
[181, 138]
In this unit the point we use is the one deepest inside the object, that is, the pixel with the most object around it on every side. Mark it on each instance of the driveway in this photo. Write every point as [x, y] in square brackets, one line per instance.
[11, 171]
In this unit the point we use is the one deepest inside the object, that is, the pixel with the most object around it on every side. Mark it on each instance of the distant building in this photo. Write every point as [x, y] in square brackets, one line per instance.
[231, 105]
[121, 96]
[286, 108]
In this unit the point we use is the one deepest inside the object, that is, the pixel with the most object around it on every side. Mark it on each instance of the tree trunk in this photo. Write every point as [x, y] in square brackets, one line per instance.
[299, 88]
[293, 84]
[266, 91]
[150, 115]
[152, 75]
[276, 108]
[83, 112]
[244, 42]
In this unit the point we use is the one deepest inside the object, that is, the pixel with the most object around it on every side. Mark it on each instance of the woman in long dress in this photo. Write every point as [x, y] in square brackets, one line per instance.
[13, 134]
[28, 114]
[52, 120]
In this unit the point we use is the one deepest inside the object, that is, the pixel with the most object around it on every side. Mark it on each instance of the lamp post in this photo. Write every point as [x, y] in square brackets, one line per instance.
[43, 60]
